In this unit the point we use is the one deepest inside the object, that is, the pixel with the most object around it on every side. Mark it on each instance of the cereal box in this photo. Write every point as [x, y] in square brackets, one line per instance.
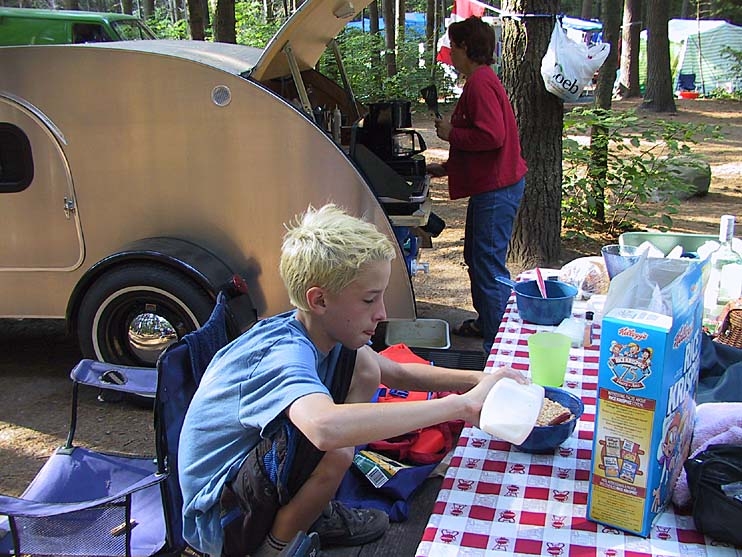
[648, 372]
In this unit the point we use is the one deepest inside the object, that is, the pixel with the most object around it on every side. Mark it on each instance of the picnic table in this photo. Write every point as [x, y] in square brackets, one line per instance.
[495, 500]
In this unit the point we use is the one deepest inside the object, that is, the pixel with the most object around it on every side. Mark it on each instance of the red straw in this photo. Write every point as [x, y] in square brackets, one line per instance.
[540, 282]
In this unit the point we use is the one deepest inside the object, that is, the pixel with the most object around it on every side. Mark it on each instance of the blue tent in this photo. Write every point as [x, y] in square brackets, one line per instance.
[414, 21]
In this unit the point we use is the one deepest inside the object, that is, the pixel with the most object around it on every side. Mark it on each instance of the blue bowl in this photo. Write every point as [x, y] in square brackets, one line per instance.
[533, 308]
[545, 439]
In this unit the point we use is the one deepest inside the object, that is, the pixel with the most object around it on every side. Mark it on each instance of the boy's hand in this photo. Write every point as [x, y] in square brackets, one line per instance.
[477, 394]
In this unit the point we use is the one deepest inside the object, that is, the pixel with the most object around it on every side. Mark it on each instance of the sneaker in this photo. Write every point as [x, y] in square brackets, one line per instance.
[341, 525]
[303, 545]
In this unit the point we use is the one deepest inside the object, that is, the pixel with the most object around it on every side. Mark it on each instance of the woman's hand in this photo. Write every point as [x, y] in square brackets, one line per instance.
[436, 170]
[443, 129]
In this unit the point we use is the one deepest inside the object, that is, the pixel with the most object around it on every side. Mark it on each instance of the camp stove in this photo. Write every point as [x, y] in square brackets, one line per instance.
[389, 152]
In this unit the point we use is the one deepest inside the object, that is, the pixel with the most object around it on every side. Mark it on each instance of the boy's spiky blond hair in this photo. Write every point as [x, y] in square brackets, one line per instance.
[327, 247]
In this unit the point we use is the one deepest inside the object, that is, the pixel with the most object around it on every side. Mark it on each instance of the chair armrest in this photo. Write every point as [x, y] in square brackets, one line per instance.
[140, 381]
[15, 506]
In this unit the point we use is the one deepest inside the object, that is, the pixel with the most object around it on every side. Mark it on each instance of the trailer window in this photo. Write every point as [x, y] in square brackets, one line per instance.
[16, 162]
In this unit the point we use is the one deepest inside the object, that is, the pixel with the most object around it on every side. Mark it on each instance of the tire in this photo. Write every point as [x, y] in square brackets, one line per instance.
[132, 313]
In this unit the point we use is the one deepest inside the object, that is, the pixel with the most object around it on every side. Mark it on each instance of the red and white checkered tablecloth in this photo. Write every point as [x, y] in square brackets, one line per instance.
[498, 501]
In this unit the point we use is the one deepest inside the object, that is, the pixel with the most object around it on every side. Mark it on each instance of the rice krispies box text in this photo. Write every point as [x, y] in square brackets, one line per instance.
[645, 407]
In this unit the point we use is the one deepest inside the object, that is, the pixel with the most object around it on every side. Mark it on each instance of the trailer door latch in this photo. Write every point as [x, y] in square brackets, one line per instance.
[69, 207]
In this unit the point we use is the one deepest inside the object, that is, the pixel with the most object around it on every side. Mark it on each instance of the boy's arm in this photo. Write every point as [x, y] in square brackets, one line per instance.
[425, 377]
[331, 426]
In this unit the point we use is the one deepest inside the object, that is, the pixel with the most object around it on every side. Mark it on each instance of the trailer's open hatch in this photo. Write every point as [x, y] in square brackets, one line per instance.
[309, 30]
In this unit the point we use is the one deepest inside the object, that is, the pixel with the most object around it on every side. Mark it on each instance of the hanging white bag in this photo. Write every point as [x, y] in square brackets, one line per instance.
[568, 66]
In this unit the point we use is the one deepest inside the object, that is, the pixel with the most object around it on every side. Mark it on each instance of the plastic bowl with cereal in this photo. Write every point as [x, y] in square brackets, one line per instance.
[561, 409]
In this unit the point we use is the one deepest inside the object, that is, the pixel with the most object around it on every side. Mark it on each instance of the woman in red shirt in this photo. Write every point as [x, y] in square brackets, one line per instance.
[485, 165]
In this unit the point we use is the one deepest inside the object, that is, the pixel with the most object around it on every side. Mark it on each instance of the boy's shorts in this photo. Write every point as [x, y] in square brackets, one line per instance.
[271, 475]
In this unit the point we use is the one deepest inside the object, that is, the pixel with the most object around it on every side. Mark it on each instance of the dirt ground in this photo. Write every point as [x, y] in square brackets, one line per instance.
[36, 356]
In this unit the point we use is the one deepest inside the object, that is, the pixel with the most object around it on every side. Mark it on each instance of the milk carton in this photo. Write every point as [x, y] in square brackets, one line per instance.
[648, 373]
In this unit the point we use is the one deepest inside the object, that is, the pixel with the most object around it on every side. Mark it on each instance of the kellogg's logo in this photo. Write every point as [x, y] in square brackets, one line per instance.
[632, 333]
[684, 333]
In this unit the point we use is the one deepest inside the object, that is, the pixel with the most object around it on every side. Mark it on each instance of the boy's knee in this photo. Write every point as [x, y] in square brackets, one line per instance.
[364, 385]
[337, 461]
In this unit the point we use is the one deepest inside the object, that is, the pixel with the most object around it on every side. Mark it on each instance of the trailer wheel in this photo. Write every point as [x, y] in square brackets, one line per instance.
[132, 313]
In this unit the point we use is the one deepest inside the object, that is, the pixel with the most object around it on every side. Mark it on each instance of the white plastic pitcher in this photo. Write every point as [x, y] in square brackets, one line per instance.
[511, 409]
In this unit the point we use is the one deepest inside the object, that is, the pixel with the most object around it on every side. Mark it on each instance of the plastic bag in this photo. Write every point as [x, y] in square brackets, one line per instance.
[569, 66]
[656, 285]
[587, 274]
[714, 478]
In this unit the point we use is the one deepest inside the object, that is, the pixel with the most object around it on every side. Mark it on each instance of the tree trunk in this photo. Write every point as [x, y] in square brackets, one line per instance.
[127, 6]
[431, 23]
[373, 18]
[401, 8]
[148, 8]
[658, 96]
[389, 33]
[196, 20]
[269, 12]
[611, 17]
[629, 84]
[587, 9]
[71, 4]
[205, 13]
[536, 234]
[684, 9]
[224, 22]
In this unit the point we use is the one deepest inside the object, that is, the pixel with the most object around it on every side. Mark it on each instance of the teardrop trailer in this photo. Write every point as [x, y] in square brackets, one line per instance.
[139, 177]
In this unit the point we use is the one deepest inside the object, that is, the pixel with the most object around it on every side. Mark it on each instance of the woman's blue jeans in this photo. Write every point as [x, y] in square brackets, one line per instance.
[489, 225]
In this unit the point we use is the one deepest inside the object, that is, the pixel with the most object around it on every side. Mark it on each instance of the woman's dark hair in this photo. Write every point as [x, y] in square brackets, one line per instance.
[477, 36]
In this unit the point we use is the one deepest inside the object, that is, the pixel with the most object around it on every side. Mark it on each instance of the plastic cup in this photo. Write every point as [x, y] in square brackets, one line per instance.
[547, 355]
[618, 258]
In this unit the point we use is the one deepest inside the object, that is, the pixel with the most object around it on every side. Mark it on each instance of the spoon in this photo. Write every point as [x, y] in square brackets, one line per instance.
[541, 283]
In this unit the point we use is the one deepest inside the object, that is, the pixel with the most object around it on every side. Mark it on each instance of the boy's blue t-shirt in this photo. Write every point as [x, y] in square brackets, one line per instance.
[248, 384]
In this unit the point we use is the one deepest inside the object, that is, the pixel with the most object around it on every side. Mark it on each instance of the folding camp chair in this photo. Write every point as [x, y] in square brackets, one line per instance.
[85, 502]
[179, 371]
[687, 81]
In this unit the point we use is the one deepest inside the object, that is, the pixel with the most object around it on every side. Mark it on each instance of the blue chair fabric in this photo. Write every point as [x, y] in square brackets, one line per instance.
[86, 502]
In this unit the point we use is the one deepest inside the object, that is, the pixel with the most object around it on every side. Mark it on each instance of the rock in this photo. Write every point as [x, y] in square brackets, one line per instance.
[692, 171]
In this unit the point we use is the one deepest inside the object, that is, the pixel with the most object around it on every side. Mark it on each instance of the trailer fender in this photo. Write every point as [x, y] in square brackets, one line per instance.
[131, 305]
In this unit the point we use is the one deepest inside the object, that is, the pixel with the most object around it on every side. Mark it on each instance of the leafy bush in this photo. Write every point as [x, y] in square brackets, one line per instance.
[640, 164]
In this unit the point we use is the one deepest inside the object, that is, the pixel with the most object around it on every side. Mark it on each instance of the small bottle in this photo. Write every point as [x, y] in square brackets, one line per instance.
[725, 276]
[337, 122]
[587, 341]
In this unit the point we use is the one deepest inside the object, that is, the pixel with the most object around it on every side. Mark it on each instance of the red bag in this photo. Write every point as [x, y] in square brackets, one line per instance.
[423, 446]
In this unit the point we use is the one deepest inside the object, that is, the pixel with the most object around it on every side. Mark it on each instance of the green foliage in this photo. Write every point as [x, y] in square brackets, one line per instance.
[164, 28]
[251, 27]
[363, 58]
[721, 93]
[639, 183]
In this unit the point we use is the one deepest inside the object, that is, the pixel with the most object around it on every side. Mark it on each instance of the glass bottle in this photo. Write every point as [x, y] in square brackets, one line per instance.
[725, 276]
